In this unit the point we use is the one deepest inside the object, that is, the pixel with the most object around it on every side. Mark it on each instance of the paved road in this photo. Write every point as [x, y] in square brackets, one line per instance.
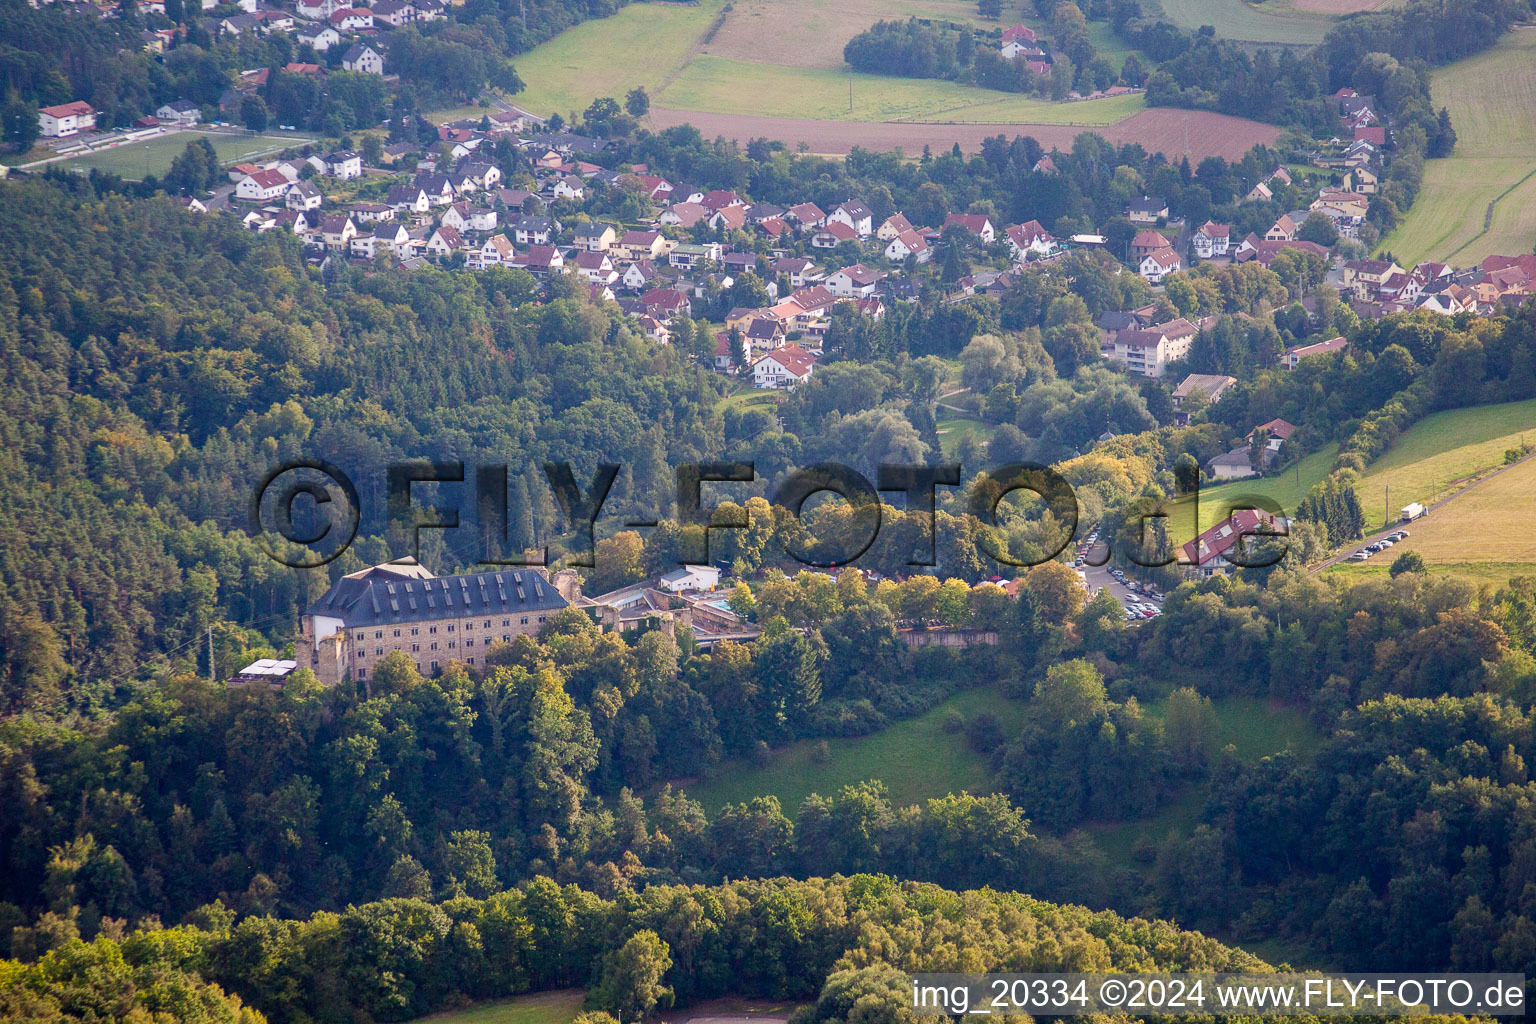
[1393, 527]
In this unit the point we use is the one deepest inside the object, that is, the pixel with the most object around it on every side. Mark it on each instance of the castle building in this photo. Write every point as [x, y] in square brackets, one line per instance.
[402, 606]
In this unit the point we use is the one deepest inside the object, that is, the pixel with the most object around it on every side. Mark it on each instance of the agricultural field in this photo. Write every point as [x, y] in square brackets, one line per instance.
[1296, 23]
[1161, 129]
[1441, 453]
[1492, 100]
[154, 155]
[775, 69]
[729, 86]
[540, 1008]
[916, 759]
[1493, 522]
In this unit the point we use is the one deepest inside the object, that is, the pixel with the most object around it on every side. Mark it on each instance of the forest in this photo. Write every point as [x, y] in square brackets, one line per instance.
[178, 847]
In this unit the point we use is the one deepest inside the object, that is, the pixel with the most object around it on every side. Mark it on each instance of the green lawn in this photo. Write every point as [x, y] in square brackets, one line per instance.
[953, 429]
[1441, 449]
[748, 397]
[1492, 100]
[916, 759]
[154, 156]
[540, 1008]
[1286, 488]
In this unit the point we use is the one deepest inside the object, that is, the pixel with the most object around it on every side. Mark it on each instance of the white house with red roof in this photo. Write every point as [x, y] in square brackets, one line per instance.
[264, 186]
[976, 223]
[1211, 239]
[1030, 239]
[1157, 265]
[908, 244]
[783, 368]
[1230, 542]
[854, 282]
[66, 119]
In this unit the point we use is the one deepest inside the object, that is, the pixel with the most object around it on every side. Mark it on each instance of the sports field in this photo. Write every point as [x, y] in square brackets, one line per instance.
[558, 1007]
[154, 155]
[1440, 453]
[1492, 100]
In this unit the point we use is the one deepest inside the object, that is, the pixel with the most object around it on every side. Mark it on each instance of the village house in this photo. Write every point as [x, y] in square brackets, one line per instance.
[1283, 230]
[977, 224]
[892, 227]
[908, 245]
[541, 261]
[495, 251]
[337, 232]
[393, 12]
[1208, 387]
[833, 234]
[665, 303]
[805, 216]
[1364, 278]
[642, 245]
[301, 195]
[343, 164]
[1296, 353]
[1157, 265]
[1222, 548]
[1030, 239]
[783, 368]
[1145, 243]
[853, 214]
[1211, 240]
[1148, 351]
[371, 213]
[688, 255]
[183, 113]
[530, 230]
[728, 218]
[640, 276]
[798, 269]
[409, 198]
[854, 282]
[66, 119]
[321, 37]
[444, 242]
[596, 267]
[683, 215]
[593, 237]
[1146, 210]
[264, 186]
[350, 19]
[364, 59]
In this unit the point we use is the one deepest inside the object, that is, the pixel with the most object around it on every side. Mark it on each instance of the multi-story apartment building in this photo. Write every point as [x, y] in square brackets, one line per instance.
[402, 606]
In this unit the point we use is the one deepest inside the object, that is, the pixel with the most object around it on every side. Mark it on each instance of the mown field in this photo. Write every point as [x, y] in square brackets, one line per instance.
[1494, 523]
[539, 1008]
[916, 759]
[153, 156]
[1440, 452]
[1273, 22]
[1492, 100]
[781, 59]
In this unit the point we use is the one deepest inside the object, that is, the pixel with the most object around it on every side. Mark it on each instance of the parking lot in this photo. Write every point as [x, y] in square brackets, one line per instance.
[1139, 601]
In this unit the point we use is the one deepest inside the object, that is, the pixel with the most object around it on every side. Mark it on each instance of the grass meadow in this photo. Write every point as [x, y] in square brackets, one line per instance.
[1492, 100]
[558, 1007]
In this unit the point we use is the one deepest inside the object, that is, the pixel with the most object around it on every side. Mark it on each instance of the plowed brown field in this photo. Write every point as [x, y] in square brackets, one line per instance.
[1174, 133]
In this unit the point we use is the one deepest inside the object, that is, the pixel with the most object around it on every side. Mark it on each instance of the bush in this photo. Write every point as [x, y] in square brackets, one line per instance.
[761, 755]
[822, 752]
[953, 722]
[985, 733]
